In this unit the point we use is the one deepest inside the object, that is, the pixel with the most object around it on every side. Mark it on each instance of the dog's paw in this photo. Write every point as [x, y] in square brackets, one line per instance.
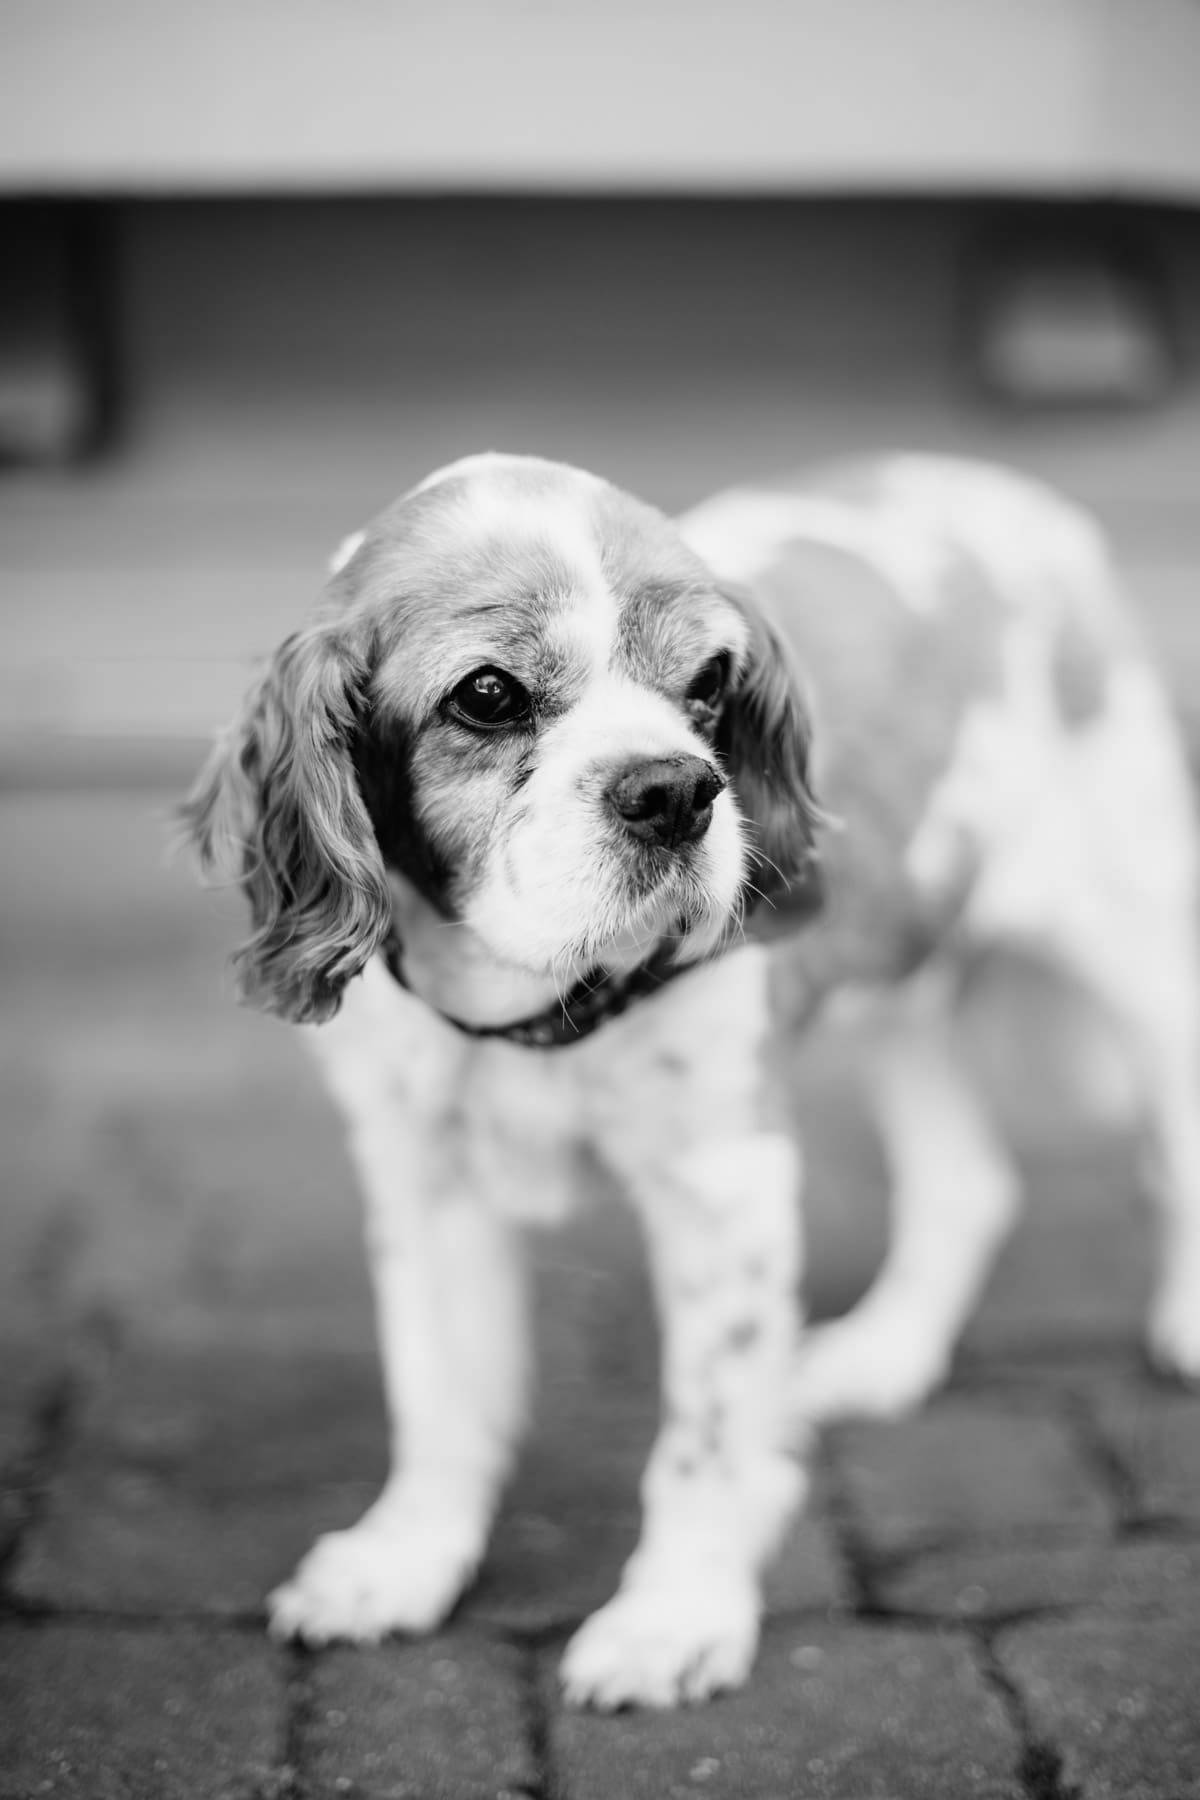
[361, 1584]
[662, 1646]
[1173, 1332]
[873, 1364]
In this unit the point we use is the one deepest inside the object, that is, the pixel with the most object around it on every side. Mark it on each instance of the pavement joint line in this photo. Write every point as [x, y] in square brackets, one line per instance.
[1100, 1456]
[1040, 1766]
[850, 1540]
[34, 1613]
[1147, 1527]
[1014, 1537]
[536, 1717]
[54, 1411]
[290, 1782]
[1002, 1362]
[1167, 1528]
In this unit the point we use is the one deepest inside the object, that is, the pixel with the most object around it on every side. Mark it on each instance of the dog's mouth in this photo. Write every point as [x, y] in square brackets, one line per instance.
[648, 870]
[662, 899]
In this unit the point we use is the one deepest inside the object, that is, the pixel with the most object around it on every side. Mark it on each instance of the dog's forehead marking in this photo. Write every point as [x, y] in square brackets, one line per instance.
[531, 472]
[672, 614]
[615, 584]
[495, 560]
[539, 519]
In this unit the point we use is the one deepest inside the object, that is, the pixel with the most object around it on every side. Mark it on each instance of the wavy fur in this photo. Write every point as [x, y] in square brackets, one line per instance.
[278, 809]
[764, 739]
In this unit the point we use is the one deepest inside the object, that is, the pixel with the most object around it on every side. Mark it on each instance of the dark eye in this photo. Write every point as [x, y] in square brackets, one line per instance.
[489, 699]
[707, 689]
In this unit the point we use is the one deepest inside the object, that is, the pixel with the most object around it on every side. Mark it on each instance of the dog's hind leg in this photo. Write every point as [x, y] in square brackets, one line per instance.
[1167, 1048]
[1128, 929]
[1144, 967]
[954, 1195]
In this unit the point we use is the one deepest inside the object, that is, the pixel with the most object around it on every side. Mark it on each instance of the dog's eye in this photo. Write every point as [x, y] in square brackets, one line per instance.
[488, 699]
[708, 688]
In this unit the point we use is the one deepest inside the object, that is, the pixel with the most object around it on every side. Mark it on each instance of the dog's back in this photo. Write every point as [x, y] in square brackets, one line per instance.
[987, 724]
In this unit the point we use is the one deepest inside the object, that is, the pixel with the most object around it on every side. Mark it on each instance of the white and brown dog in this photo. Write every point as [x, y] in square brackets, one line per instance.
[525, 805]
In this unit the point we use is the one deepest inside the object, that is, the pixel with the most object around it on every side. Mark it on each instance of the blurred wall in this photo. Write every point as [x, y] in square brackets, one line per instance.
[287, 367]
[1083, 96]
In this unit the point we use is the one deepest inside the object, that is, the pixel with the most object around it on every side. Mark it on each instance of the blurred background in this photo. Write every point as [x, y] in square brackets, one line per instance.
[263, 266]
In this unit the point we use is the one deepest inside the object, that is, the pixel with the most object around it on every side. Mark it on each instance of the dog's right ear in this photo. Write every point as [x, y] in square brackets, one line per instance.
[763, 738]
[277, 808]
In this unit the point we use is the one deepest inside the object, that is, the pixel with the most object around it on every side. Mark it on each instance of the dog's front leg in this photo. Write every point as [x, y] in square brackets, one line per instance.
[722, 1480]
[450, 1298]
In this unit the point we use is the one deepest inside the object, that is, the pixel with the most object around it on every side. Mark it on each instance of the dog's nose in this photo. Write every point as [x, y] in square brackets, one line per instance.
[668, 801]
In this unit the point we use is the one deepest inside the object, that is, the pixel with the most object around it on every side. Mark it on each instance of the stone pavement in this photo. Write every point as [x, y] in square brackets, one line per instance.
[1000, 1597]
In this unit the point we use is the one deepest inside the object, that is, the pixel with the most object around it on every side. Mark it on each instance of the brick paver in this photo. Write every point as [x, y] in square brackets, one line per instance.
[194, 1481]
[103, 1713]
[1118, 1697]
[983, 1582]
[1155, 1432]
[441, 1720]
[968, 1469]
[834, 1712]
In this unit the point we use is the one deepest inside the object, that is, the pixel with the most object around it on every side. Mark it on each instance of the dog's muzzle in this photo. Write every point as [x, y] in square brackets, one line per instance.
[668, 801]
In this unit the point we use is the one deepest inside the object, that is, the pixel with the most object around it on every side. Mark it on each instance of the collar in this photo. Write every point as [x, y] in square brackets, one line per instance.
[590, 1002]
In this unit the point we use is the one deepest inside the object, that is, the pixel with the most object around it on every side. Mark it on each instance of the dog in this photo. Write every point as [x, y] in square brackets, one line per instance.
[530, 816]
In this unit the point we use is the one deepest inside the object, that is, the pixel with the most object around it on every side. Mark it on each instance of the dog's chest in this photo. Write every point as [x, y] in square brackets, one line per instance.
[683, 1067]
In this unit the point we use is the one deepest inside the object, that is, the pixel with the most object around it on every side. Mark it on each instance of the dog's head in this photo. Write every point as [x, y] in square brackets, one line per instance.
[526, 697]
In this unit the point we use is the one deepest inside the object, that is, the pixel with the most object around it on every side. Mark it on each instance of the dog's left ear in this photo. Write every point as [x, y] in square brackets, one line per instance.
[764, 739]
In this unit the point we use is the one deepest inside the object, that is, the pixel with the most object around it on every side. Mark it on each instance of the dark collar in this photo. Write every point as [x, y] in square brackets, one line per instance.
[566, 1021]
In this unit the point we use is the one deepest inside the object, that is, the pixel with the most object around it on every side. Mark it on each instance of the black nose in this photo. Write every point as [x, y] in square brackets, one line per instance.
[666, 802]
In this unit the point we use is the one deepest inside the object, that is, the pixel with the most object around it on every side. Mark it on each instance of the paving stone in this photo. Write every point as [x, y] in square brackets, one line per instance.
[1116, 1697]
[1155, 1430]
[439, 1720]
[128, 1544]
[984, 1582]
[197, 1480]
[831, 1712]
[143, 1714]
[217, 1420]
[969, 1471]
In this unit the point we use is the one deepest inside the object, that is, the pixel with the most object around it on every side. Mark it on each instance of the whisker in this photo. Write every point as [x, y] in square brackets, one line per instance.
[762, 857]
[764, 897]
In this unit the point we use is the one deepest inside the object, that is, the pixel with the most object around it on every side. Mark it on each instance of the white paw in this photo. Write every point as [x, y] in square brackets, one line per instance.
[1173, 1333]
[663, 1645]
[361, 1584]
[869, 1365]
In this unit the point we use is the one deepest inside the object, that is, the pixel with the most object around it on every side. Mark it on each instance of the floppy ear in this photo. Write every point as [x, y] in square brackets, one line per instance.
[763, 738]
[277, 808]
